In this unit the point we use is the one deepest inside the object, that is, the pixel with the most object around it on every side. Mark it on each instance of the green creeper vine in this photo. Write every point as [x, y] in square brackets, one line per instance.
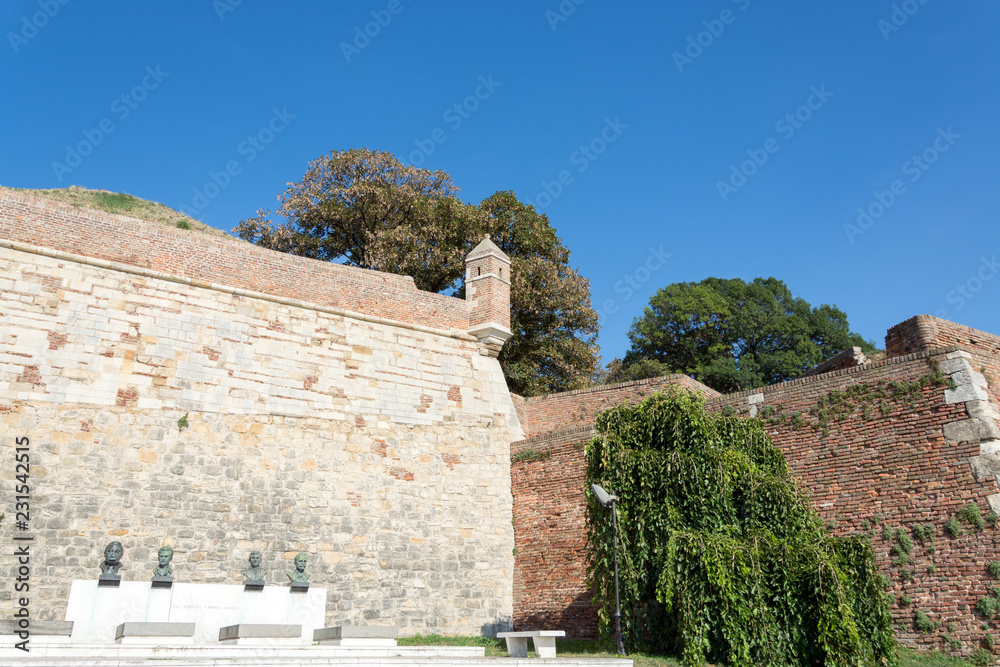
[722, 559]
[861, 400]
[531, 455]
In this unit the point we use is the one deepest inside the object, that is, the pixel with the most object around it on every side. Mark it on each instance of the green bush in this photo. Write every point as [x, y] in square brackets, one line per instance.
[987, 606]
[905, 543]
[971, 515]
[923, 622]
[981, 658]
[954, 528]
[994, 568]
[724, 560]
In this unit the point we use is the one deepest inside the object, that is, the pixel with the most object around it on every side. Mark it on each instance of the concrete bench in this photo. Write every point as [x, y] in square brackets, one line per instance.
[544, 641]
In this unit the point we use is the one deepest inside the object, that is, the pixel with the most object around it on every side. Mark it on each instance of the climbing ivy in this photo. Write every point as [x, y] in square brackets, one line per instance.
[722, 558]
[866, 400]
[531, 455]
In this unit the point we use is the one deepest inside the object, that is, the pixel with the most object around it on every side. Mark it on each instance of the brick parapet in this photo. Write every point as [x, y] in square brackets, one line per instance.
[581, 406]
[925, 332]
[32, 221]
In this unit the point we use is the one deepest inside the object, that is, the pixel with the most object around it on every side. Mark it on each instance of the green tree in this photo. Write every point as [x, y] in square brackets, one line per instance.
[554, 346]
[365, 208]
[722, 558]
[732, 335]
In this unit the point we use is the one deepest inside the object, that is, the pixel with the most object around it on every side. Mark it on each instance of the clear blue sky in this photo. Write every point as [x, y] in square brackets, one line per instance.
[885, 84]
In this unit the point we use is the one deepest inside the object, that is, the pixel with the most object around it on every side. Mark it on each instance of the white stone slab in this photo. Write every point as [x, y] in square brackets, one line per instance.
[97, 611]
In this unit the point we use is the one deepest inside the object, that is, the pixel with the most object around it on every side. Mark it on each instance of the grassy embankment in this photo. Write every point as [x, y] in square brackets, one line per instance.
[122, 204]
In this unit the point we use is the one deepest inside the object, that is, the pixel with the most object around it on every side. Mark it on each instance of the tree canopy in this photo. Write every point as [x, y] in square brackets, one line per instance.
[732, 335]
[722, 557]
[365, 208]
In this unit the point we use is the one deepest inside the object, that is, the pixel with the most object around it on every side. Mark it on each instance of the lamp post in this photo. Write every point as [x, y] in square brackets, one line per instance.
[610, 500]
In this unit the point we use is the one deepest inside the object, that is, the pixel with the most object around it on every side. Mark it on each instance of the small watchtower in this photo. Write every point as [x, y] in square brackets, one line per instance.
[487, 288]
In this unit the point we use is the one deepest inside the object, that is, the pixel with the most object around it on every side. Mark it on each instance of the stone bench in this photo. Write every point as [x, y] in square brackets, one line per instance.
[544, 641]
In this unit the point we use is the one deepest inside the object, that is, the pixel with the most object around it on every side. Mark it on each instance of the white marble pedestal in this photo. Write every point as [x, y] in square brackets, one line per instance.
[98, 611]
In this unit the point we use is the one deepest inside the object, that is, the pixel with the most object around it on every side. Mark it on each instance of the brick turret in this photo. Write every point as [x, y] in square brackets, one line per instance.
[487, 288]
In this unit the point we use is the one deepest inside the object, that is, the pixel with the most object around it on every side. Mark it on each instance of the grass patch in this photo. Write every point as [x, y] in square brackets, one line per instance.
[121, 204]
[494, 647]
[578, 648]
[910, 658]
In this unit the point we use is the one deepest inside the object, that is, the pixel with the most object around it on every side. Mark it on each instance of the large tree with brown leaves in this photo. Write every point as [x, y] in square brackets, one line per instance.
[365, 208]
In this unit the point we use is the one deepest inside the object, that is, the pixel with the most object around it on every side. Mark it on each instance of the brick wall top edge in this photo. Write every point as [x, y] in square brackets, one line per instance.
[853, 370]
[620, 385]
[552, 435]
[184, 236]
[18, 208]
[928, 331]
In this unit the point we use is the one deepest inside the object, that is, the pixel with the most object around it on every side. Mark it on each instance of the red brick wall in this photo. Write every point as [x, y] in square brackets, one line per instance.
[579, 407]
[550, 530]
[487, 283]
[224, 261]
[925, 332]
[896, 466]
[521, 408]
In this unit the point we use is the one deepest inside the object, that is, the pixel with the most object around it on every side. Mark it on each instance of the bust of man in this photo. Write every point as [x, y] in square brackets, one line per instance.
[299, 574]
[255, 572]
[112, 559]
[163, 557]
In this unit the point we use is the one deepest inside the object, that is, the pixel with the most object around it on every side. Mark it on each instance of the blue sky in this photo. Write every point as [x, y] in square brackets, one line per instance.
[848, 148]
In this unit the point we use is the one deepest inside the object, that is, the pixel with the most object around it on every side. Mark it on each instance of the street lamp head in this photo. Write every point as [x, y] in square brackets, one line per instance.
[603, 496]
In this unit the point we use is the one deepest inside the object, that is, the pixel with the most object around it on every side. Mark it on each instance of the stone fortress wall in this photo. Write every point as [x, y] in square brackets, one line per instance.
[913, 459]
[199, 392]
[203, 393]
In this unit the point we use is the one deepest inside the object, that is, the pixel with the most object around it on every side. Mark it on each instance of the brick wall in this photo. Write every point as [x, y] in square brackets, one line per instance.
[550, 527]
[579, 407]
[903, 462]
[925, 332]
[202, 258]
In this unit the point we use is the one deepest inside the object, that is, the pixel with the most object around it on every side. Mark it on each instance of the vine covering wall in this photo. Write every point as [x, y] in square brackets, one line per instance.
[896, 451]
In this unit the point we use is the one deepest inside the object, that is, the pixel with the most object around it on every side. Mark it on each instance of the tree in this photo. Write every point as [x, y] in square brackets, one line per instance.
[724, 560]
[732, 335]
[365, 208]
[554, 346]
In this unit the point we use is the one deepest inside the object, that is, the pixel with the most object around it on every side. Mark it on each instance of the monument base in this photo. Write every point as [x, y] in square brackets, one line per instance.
[98, 611]
[352, 635]
[162, 634]
[261, 634]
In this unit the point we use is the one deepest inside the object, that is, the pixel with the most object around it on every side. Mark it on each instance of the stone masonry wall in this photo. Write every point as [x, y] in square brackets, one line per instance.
[913, 459]
[216, 419]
